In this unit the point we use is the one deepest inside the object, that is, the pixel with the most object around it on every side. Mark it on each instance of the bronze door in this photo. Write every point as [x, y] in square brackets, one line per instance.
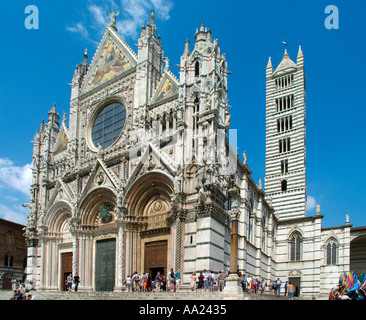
[156, 257]
[105, 265]
[66, 268]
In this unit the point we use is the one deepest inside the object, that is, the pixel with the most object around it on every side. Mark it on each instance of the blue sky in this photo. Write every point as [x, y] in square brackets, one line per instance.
[37, 67]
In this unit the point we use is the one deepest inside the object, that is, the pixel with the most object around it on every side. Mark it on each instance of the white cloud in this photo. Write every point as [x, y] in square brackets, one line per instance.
[99, 15]
[134, 14]
[17, 178]
[18, 214]
[80, 29]
[310, 203]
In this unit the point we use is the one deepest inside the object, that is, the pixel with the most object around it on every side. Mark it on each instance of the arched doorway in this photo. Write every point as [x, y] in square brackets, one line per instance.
[97, 237]
[358, 255]
[149, 240]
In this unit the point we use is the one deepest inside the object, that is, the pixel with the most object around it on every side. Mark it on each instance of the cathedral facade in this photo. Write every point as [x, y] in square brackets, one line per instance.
[143, 178]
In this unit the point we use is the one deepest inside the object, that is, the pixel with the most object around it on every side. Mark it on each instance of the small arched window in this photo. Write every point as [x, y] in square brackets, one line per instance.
[332, 252]
[197, 69]
[295, 247]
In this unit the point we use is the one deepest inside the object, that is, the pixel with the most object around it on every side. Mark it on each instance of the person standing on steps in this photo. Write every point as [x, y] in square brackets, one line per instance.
[291, 291]
[193, 282]
[76, 282]
[278, 286]
[177, 277]
[172, 281]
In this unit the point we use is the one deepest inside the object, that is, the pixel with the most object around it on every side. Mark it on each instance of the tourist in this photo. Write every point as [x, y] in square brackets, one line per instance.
[17, 295]
[221, 279]
[213, 279]
[128, 283]
[76, 282]
[144, 283]
[254, 285]
[149, 284]
[136, 282]
[291, 291]
[172, 281]
[69, 282]
[200, 282]
[205, 278]
[286, 284]
[13, 284]
[163, 283]
[243, 282]
[177, 276]
[158, 281]
[278, 286]
[193, 282]
[274, 287]
[249, 283]
[208, 282]
[262, 286]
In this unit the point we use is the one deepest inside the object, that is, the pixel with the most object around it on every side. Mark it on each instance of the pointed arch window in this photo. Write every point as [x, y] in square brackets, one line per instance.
[332, 252]
[197, 69]
[250, 221]
[295, 247]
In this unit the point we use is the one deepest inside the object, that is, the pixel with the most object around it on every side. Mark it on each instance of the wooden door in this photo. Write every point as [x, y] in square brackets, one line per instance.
[105, 265]
[66, 268]
[156, 256]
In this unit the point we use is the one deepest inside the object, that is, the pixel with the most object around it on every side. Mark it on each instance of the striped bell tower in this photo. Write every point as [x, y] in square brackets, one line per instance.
[285, 181]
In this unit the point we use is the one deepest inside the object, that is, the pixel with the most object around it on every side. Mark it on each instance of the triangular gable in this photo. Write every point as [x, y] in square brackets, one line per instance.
[101, 176]
[62, 140]
[151, 159]
[167, 88]
[113, 57]
[61, 192]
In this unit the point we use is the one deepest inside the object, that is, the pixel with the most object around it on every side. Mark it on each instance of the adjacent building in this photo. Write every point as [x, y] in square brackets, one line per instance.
[13, 253]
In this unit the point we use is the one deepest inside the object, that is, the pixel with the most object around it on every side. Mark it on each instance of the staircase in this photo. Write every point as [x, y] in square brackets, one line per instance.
[180, 295]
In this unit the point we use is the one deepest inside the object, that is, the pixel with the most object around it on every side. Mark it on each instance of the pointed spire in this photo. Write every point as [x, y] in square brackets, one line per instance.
[64, 119]
[152, 17]
[53, 109]
[300, 56]
[202, 27]
[152, 23]
[167, 67]
[269, 64]
[286, 63]
[186, 47]
[86, 55]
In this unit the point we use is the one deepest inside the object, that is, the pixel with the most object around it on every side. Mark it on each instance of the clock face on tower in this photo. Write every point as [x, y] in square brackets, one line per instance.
[108, 125]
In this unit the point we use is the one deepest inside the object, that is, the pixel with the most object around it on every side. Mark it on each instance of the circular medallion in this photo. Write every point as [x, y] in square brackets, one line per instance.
[158, 206]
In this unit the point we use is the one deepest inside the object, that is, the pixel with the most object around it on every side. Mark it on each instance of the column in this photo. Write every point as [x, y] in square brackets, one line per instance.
[233, 288]
[121, 230]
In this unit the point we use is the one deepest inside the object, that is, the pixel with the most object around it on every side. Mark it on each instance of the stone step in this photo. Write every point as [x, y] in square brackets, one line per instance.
[43, 295]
